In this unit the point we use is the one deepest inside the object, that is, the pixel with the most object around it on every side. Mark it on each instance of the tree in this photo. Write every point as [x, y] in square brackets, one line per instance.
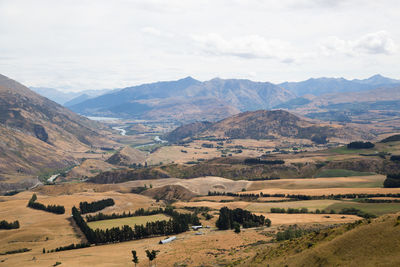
[360, 145]
[392, 180]
[135, 258]
[236, 226]
[151, 255]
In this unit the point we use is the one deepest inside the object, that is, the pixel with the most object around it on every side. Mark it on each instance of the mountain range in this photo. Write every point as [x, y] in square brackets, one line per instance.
[68, 98]
[37, 134]
[188, 99]
[321, 86]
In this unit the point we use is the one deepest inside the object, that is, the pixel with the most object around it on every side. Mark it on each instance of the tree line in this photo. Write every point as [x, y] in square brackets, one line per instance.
[57, 209]
[392, 180]
[360, 145]
[69, 247]
[306, 197]
[9, 225]
[395, 158]
[177, 224]
[94, 206]
[140, 212]
[371, 200]
[251, 161]
[264, 178]
[228, 218]
[21, 250]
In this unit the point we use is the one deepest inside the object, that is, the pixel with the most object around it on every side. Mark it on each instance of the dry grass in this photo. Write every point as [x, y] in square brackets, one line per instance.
[212, 198]
[131, 221]
[310, 204]
[190, 249]
[373, 244]
[327, 191]
[199, 185]
[89, 168]
[313, 183]
[289, 219]
[43, 229]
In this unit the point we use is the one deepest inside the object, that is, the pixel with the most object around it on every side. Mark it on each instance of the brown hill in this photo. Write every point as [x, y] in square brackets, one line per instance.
[364, 244]
[170, 192]
[127, 156]
[37, 134]
[263, 124]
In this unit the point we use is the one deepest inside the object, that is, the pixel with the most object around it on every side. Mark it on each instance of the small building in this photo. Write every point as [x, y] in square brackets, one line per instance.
[196, 227]
[169, 239]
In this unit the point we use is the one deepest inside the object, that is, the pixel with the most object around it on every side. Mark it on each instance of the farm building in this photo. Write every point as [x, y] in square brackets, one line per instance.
[196, 227]
[169, 239]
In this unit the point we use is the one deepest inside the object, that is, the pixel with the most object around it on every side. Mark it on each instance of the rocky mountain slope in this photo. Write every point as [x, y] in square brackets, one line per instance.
[37, 134]
[186, 100]
[263, 124]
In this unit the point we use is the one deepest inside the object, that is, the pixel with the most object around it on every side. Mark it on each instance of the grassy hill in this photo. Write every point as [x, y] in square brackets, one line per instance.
[359, 244]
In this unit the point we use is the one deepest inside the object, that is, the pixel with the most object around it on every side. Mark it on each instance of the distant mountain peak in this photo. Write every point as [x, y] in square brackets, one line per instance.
[188, 78]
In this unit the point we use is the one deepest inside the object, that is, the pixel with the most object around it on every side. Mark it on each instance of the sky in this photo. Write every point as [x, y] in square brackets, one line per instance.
[76, 45]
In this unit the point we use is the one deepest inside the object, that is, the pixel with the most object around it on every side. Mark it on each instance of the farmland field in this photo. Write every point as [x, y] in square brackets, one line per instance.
[131, 221]
[374, 208]
[310, 204]
[314, 183]
[341, 173]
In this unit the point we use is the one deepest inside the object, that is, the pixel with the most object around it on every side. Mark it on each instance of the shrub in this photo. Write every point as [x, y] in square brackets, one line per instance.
[360, 145]
[392, 181]
[395, 158]
[9, 225]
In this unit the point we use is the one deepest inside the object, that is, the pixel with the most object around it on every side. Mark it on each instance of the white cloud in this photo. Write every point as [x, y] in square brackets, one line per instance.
[373, 43]
[84, 44]
[249, 47]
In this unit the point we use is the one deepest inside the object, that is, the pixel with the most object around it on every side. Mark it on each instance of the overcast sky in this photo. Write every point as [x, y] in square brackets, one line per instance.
[77, 45]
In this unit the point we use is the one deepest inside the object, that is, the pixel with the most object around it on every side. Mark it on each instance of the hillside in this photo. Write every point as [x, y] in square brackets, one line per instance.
[37, 135]
[170, 192]
[263, 124]
[127, 156]
[368, 244]
[186, 100]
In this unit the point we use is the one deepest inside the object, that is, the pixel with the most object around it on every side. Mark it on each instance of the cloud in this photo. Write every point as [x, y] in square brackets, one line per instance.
[248, 47]
[156, 32]
[372, 43]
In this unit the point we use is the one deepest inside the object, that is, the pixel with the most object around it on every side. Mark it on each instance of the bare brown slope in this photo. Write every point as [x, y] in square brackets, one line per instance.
[374, 244]
[263, 124]
[127, 156]
[170, 192]
[37, 134]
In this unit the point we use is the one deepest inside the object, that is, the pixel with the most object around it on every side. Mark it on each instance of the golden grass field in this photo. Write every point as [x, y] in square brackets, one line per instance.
[131, 221]
[40, 229]
[314, 183]
[43, 229]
